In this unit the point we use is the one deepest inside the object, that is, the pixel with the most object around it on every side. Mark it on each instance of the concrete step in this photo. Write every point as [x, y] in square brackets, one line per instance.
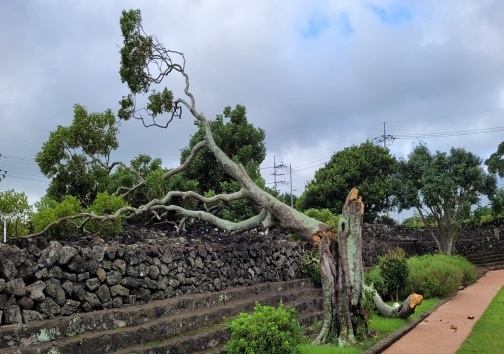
[152, 323]
[213, 339]
[487, 257]
[82, 323]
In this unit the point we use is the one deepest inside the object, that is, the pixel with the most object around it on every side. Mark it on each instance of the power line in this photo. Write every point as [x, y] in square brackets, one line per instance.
[447, 116]
[450, 134]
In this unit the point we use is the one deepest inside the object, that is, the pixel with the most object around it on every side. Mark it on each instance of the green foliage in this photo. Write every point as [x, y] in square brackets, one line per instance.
[49, 210]
[267, 331]
[414, 222]
[67, 157]
[140, 55]
[135, 53]
[106, 204]
[14, 209]
[438, 275]
[446, 184]
[497, 201]
[311, 267]
[394, 270]
[243, 143]
[495, 162]
[480, 217]
[324, 215]
[367, 167]
[374, 277]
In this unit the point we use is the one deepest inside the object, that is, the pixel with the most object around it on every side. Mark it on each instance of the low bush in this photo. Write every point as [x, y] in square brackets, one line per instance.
[374, 277]
[268, 331]
[394, 270]
[438, 275]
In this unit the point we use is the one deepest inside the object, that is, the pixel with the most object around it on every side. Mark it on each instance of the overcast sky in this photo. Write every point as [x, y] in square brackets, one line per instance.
[317, 76]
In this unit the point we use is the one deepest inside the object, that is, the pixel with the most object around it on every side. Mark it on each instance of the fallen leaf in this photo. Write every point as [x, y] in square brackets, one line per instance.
[453, 327]
[470, 317]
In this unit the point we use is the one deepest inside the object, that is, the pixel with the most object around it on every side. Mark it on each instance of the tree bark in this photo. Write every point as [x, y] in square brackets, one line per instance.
[396, 311]
[342, 278]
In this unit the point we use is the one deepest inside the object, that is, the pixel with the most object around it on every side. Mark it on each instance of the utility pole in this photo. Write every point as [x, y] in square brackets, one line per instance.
[383, 138]
[290, 174]
[275, 173]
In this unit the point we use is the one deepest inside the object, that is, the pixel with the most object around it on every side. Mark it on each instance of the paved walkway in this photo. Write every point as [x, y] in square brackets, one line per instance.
[446, 328]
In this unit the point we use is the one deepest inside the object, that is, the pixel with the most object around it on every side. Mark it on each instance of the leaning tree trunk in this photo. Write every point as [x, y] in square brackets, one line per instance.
[342, 277]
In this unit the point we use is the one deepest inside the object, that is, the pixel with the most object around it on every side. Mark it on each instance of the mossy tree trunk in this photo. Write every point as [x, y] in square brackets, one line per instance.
[342, 278]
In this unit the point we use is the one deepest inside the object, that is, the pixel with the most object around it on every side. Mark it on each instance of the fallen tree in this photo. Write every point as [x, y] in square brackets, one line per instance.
[145, 63]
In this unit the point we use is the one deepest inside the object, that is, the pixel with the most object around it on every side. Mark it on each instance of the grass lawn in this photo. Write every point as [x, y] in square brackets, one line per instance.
[486, 336]
[381, 325]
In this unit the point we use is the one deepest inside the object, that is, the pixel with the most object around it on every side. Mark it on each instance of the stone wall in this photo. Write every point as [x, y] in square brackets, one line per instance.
[378, 239]
[43, 279]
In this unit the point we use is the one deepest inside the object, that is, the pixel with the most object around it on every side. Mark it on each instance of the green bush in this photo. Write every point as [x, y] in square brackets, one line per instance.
[267, 331]
[48, 211]
[394, 270]
[105, 204]
[324, 215]
[375, 278]
[439, 275]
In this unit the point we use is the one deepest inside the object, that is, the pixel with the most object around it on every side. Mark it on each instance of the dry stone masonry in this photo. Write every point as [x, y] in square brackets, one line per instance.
[39, 281]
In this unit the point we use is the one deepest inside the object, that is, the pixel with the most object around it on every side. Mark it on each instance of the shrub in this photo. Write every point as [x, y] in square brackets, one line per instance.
[49, 210]
[102, 205]
[439, 275]
[394, 270]
[268, 330]
[324, 215]
[375, 278]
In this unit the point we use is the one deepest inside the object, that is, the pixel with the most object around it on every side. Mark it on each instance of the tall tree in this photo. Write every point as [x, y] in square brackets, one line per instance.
[238, 138]
[444, 187]
[340, 248]
[367, 167]
[75, 157]
[243, 143]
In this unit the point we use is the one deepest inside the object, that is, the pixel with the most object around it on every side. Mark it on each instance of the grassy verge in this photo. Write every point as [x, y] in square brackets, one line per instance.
[486, 336]
[381, 325]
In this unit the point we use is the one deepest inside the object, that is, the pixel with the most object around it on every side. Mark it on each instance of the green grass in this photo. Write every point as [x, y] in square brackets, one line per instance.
[486, 336]
[381, 325]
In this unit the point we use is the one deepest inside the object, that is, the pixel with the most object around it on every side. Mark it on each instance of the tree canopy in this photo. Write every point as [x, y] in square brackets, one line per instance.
[495, 162]
[238, 138]
[73, 156]
[15, 210]
[367, 167]
[441, 186]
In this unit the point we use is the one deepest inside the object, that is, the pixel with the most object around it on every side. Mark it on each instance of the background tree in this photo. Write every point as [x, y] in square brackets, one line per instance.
[495, 162]
[243, 143]
[444, 187]
[75, 157]
[367, 167]
[15, 209]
